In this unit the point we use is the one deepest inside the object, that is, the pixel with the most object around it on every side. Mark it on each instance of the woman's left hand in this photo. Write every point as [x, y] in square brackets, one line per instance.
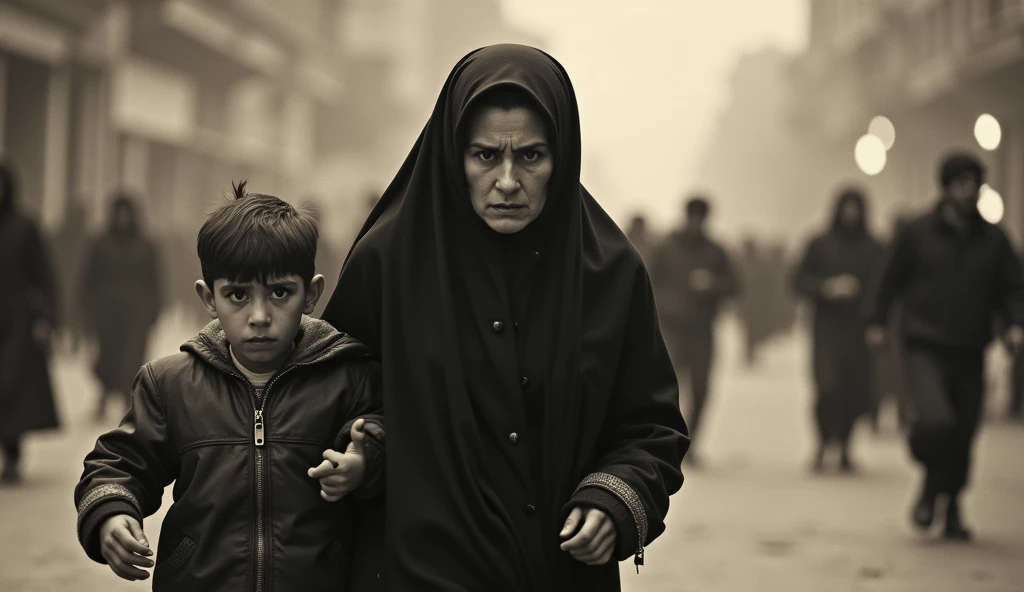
[595, 541]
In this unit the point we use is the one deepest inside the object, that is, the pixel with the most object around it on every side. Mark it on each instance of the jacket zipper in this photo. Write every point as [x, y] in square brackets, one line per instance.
[259, 439]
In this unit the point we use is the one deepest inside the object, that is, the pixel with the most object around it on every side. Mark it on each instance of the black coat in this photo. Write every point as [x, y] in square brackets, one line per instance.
[841, 358]
[192, 423]
[516, 369]
[684, 310]
[27, 298]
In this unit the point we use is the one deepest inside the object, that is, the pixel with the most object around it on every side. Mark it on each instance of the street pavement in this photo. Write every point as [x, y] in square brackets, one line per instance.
[751, 519]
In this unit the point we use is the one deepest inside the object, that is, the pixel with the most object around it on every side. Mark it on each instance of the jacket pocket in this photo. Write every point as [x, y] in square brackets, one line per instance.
[175, 562]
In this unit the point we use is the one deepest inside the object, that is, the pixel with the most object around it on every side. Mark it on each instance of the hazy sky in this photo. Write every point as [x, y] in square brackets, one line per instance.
[650, 78]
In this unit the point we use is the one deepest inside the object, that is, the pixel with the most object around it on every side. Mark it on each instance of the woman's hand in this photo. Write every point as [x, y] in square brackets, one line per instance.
[595, 541]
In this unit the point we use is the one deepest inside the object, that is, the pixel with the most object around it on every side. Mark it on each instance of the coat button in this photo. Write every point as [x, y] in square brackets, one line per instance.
[513, 438]
[530, 509]
[515, 326]
[526, 382]
[497, 326]
[536, 255]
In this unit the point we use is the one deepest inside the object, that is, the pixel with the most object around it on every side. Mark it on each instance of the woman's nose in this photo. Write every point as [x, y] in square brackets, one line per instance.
[507, 182]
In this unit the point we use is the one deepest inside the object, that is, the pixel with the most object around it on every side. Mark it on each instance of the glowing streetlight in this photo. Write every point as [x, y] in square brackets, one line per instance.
[990, 204]
[883, 129]
[988, 132]
[870, 155]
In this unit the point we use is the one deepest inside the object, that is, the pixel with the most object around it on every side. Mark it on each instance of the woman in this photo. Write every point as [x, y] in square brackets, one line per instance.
[832, 276]
[27, 315]
[527, 387]
[121, 289]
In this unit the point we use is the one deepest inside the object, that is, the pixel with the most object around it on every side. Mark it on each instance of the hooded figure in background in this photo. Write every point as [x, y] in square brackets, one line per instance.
[121, 289]
[528, 392]
[832, 276]
[28, 305]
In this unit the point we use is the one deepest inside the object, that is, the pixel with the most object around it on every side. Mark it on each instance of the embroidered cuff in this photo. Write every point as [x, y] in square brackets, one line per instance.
[625, 494]
[105, 493]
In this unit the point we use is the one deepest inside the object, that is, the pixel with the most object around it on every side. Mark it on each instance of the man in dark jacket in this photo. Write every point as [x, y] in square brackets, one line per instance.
[692, 276]
[955, 274]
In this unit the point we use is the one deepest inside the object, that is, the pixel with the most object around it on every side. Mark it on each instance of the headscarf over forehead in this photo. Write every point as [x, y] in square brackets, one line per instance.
[850, 195]
[423, 286]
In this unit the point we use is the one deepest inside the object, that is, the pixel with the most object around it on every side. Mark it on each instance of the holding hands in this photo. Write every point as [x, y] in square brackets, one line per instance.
[341, 474]
[594, 542]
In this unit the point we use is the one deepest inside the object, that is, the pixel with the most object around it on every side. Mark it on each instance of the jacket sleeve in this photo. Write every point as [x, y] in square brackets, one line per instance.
[127, 471]
[644, 438]
[1010, 285]
[808, 278]
[368, 405]
[889, 279]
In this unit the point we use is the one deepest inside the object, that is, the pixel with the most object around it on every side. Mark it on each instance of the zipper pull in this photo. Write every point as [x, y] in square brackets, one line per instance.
[258, 427]
[638, 559]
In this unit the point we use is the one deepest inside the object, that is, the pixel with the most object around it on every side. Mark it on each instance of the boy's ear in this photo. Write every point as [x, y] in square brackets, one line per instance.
[205, 294]
[316, 289]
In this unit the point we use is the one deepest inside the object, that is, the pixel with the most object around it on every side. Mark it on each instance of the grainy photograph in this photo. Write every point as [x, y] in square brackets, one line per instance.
[512, 295]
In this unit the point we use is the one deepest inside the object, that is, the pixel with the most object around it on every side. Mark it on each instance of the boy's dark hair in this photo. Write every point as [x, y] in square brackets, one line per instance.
[698, 207]
[257, 236]
[959, 164]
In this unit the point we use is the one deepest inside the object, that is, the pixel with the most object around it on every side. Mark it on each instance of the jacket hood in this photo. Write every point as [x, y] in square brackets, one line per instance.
[316, 341]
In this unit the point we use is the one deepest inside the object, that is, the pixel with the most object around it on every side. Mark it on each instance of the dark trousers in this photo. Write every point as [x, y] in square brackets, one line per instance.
[835, 418]
[947, 390]
[693, 354]
[12, 453]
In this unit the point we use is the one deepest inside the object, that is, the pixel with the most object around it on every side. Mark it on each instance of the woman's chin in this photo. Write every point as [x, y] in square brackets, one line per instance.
[507, 225]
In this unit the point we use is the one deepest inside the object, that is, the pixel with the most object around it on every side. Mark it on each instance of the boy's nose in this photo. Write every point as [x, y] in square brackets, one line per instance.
[259, 315]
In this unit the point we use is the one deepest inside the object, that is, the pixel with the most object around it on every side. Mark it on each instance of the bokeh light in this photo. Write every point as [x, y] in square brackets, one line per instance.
[990, 204]
[883, 129]
[988, 132]
[870, 154]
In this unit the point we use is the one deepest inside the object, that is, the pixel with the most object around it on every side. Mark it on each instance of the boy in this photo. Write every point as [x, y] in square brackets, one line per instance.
[236, 419]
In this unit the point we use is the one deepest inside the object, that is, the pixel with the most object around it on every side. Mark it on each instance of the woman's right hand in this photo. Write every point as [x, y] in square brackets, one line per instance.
[594, 544]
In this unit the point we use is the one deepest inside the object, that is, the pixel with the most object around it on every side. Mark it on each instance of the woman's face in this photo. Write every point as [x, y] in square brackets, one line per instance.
[508, 164]
[851, 214]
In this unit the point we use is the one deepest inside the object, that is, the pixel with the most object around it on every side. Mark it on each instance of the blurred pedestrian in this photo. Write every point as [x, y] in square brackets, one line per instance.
[639, 235]
[122, 293]
[27, 317]
[69, 242]
[692, 275]
[832, 274]
[956, 273]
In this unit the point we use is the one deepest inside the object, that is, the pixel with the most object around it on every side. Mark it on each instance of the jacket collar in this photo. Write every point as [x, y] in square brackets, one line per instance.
[316, 341]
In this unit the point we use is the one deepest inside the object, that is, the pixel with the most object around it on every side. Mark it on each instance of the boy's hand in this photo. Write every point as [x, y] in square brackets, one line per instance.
[341, 474]
[595, 541]
[124, 546]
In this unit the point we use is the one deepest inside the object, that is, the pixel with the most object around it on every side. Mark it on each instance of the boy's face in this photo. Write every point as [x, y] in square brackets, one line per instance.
[261, 320]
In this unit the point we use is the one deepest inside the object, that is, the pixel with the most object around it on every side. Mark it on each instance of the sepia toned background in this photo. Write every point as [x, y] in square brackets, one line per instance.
[767, 107]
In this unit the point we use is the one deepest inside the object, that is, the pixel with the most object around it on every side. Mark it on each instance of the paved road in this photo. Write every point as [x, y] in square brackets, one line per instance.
[753, 519]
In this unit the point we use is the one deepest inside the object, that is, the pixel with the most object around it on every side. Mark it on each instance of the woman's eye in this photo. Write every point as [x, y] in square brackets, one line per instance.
[531, 155]
[485, 155]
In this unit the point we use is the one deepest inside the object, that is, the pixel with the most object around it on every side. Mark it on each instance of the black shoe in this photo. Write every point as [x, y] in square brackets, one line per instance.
[955, 529]
[846, 465]
[923, 515]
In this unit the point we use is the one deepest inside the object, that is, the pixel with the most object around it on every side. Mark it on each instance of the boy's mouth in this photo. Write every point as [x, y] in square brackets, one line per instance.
[260, 340]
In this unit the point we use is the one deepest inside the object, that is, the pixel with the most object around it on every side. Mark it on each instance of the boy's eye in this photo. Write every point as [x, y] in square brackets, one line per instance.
[280, 292]
[238, 296]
